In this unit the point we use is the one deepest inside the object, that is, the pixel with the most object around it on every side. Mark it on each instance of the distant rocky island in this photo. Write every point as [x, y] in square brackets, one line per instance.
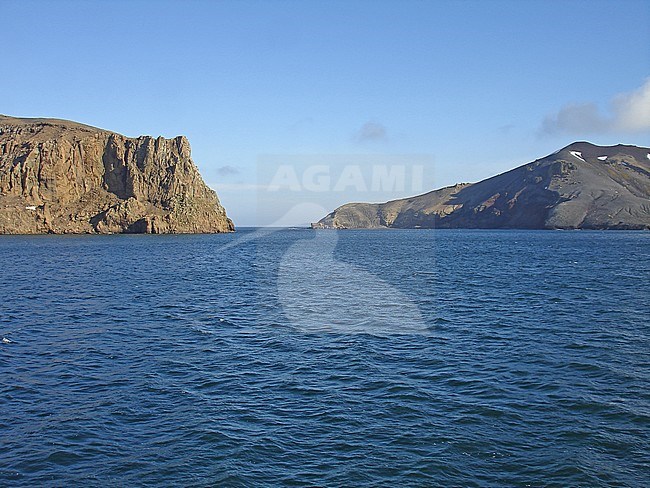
[61, 177]
[582, 186]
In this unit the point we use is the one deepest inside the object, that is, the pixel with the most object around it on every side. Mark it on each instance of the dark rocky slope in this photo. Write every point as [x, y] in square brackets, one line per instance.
[58, 176]
[582, 186]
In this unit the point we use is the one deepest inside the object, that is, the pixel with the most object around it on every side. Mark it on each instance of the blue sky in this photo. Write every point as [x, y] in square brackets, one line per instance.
[478, 87]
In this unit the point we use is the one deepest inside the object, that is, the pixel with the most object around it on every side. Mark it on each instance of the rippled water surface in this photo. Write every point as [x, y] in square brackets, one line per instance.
[357, 358]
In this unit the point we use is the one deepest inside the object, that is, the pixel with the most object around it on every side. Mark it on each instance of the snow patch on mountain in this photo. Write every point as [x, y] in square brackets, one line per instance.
[577, 154]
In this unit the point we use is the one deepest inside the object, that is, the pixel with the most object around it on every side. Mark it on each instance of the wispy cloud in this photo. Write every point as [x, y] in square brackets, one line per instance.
[371, 132]
[302, 123]
[576, 118]
[629, 112]
[227, 171]
[237, 187]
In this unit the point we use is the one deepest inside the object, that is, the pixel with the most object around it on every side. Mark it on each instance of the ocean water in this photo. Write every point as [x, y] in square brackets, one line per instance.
[303, 358]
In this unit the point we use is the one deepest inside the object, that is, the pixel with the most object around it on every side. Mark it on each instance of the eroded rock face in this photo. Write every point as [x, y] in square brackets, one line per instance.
[582, 186]
[58, 177]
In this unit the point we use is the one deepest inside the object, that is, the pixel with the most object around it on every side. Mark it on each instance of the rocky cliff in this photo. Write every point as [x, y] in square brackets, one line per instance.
[582, 186]
[58, 176]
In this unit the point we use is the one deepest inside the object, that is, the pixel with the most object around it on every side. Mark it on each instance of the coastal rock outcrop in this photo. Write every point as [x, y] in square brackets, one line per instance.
[58, 176]
[582, 186]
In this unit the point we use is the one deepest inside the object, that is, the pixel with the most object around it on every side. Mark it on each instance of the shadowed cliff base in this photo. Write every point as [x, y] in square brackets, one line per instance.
[61, 177]
[582, 186]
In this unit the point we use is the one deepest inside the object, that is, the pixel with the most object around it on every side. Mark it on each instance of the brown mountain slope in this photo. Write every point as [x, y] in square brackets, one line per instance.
[582, 186]
[58, 176]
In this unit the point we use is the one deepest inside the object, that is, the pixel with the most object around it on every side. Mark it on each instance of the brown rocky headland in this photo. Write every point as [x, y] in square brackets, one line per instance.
[61, 177]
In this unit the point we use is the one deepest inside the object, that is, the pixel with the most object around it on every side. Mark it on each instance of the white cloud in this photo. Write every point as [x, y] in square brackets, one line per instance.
[632, 110]
[629, 112]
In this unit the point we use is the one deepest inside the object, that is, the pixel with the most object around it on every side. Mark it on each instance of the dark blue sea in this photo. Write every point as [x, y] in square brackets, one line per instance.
[322, 358]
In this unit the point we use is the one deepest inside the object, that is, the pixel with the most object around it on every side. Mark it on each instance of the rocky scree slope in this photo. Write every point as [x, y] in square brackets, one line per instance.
[582, 186]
